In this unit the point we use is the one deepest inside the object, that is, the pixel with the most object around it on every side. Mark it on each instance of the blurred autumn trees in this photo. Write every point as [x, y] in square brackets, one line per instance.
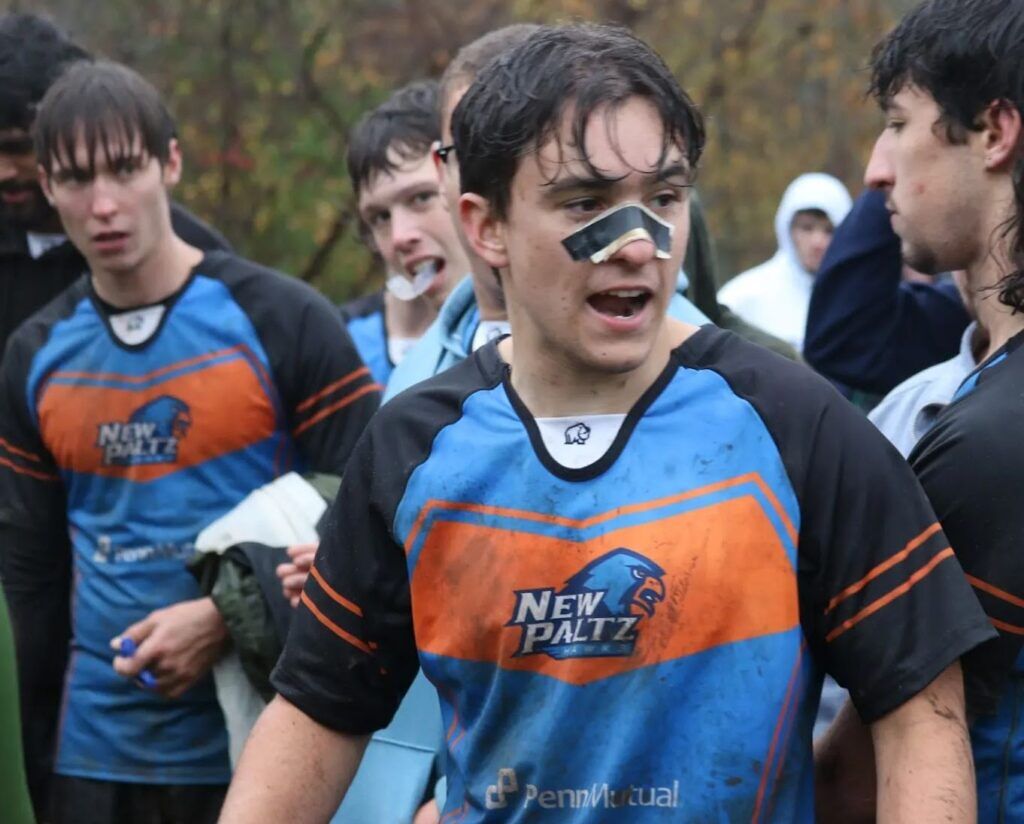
[265, 90]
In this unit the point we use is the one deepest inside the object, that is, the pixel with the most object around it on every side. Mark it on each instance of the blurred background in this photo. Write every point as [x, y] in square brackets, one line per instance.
[265, 91]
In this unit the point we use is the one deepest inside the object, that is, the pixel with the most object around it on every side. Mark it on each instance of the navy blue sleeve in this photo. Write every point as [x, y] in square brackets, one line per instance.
[867, 328]
[35, 563]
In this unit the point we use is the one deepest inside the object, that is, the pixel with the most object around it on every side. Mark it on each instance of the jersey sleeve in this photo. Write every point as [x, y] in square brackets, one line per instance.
[970, 468]
[35, 568]
[329, 392]
[351, 654]
[886, 603]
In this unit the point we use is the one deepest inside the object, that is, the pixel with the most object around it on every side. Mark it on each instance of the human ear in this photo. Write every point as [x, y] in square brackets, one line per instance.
[44, 184]
[174, 164]
[1001, 129]
[484, 232]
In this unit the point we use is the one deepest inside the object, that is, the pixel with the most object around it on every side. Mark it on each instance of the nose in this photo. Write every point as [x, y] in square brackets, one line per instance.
[635, 253]
[405, 230]
[104, 204]
[879, 174]
[8, 168]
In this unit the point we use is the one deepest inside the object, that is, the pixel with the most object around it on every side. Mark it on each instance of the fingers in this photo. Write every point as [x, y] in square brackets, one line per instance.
[293, 584]
[129, 665]
[137, 632]
[302, 549]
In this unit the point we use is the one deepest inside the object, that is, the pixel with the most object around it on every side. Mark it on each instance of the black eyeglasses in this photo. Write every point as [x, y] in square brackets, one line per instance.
[444, 151]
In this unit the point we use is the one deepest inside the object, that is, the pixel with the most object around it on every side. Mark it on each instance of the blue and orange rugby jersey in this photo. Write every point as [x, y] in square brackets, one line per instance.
[130, 450]
[642, 639]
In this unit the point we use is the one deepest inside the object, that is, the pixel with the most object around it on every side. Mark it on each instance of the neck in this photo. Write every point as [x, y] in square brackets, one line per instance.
[407, 318]
[154, 279]
[998, 320]
[552, 387]
[488, 296]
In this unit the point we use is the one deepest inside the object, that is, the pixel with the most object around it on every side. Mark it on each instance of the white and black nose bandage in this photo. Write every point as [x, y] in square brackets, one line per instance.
[603, 236]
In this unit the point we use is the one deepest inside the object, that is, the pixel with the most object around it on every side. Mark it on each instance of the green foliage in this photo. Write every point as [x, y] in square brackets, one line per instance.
[265, 90]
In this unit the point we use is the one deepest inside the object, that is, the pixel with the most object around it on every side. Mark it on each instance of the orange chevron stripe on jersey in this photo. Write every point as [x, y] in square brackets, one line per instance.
[604, 517]
[70, 418]
[727, 578]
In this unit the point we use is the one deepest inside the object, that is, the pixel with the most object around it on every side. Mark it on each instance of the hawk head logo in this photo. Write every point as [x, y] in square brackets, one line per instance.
[170, 415]
[633, 584]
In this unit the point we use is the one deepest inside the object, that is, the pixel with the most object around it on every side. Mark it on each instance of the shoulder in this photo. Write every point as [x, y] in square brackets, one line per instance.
[977, 424]
[195, 232]
[441, 396]
[419, 363]
[936, 384]
[33, 333]
[756, 371]
[259, 286]
[362, 307]
[402, 433]
[798, 407]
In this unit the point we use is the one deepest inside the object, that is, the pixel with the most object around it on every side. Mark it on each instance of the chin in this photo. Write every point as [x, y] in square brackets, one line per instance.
[922, 259]
[618, 358]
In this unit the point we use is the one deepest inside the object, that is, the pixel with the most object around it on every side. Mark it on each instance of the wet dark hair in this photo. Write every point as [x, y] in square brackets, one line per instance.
[967, 54]
[33, 53]
[517, 102]
[472, 57]
[405, 125]
[108, 105]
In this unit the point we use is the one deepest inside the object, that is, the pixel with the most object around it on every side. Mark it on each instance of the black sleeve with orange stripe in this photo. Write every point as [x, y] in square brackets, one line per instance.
[351, 652]
[327, 392]
[35, 562]
[884, 604]
[971, 465]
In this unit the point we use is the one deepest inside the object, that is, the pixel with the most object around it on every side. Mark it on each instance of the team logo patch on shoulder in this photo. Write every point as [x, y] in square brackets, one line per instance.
[577, 433]
[150, 435]
[596, 614]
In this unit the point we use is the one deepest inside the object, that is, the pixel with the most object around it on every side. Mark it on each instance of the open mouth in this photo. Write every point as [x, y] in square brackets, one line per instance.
[620, 303]
[109, 241]
[424, 269]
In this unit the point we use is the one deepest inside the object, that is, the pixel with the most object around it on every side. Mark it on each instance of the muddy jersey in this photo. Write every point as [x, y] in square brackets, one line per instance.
[131, 449]
[971, 465]
[641, 639]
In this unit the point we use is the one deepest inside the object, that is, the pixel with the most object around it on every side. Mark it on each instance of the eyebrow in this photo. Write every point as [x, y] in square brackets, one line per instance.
[593, 183]
[401, 194]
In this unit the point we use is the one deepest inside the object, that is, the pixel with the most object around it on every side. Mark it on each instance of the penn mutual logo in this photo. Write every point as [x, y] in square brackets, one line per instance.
[507, 790]
[151, 434]
[596, 614]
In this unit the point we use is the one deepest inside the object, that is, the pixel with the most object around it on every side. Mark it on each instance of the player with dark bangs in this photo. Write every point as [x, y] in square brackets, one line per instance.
[143, 403]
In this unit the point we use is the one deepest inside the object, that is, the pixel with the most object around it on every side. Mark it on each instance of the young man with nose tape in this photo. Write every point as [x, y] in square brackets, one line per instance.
[654, 526]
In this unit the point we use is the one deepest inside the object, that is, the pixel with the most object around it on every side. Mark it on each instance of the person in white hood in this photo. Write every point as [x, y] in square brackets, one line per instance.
[775, 295]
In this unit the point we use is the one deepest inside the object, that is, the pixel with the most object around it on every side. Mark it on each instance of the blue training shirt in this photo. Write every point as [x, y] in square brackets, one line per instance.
[642, 639]
[364, 318]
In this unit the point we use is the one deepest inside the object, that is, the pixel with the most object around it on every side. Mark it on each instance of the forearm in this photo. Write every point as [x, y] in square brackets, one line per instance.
[292, 769]
[844, 771]
[923, 757]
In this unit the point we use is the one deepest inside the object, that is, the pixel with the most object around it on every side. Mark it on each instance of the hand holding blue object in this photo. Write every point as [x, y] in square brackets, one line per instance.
[127, 650]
